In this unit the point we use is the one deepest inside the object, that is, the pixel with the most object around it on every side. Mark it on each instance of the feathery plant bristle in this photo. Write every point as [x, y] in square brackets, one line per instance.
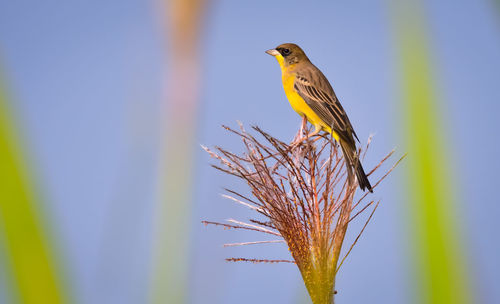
[304, 195]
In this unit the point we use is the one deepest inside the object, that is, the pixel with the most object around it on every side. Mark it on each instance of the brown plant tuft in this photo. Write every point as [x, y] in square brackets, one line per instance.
[305, 198]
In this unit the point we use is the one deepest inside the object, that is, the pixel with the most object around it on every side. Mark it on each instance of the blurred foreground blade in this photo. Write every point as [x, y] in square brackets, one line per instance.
[173, 210]
[441, 272]
[30, 262]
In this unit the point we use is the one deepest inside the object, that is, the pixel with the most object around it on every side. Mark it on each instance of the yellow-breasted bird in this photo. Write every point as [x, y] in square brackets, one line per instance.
[312, 97]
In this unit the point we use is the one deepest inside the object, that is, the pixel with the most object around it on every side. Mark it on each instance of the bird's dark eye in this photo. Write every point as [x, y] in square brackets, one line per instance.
[285, 52]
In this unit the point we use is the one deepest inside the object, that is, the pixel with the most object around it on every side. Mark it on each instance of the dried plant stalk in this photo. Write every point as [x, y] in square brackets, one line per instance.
[303, 195]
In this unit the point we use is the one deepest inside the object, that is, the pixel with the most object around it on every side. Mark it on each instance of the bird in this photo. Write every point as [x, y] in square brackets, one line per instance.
[311, 95]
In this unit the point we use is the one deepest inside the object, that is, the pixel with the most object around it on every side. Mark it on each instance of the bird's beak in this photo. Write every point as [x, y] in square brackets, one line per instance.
[273, 52]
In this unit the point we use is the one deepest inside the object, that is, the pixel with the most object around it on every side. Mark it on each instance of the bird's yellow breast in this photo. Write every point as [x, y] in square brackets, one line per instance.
[299, 104]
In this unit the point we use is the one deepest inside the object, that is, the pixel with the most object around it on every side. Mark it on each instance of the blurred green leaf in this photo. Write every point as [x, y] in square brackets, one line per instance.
[173, 214]
[28, 256]
[432, 195]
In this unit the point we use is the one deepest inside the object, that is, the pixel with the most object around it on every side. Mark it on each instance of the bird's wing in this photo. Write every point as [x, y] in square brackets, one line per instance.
[320, 97]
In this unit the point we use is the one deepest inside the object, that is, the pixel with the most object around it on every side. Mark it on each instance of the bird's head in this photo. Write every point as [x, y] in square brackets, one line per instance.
[288, 54]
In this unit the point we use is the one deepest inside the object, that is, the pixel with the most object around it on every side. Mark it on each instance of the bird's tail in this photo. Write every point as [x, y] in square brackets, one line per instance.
[352, 162]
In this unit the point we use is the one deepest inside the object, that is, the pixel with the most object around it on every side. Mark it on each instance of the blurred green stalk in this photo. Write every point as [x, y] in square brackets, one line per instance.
[30, 263]
[438, 260]
[173, 213]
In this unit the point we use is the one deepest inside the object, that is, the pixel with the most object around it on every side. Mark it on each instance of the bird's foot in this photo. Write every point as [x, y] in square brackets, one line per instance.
[299, 140]
[303, 126]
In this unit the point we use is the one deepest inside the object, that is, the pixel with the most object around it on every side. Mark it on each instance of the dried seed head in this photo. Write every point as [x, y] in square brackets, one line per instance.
[303, 195]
